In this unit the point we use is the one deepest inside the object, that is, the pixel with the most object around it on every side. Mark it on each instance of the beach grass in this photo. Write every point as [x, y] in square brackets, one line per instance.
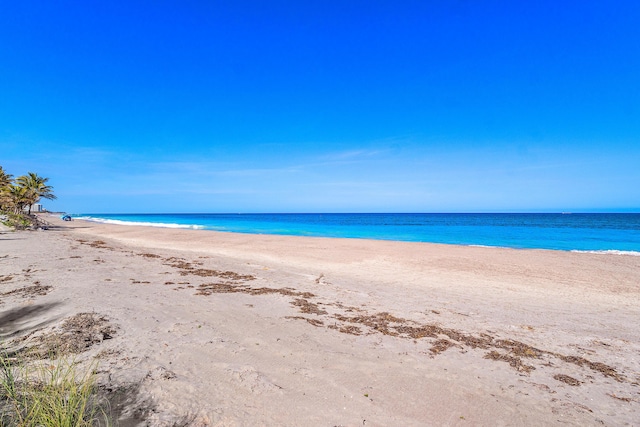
[49, 393]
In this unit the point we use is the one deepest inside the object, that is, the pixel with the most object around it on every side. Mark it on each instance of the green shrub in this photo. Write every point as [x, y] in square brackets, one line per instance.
[17, 221]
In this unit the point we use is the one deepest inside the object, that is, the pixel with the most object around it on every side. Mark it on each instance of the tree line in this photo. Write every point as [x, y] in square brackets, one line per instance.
[23, 191]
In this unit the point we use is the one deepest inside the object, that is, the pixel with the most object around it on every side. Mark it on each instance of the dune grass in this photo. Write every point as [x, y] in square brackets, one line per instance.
[49, 393]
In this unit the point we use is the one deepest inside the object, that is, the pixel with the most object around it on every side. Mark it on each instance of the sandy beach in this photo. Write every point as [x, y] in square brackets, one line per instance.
[204, 328]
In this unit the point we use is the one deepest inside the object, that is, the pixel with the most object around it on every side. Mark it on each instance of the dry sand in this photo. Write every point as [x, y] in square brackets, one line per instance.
[206, 328]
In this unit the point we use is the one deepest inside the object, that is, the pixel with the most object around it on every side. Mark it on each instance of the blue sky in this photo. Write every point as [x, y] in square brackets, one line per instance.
[283, 106]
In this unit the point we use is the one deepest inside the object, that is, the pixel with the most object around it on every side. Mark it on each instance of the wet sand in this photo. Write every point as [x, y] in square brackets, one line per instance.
[209, 328]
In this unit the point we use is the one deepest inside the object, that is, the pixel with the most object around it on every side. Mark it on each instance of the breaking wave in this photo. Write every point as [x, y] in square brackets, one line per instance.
[146, 224]
[610, 252]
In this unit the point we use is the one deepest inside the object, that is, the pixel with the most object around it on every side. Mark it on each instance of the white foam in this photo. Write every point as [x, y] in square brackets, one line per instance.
[610, 252]
[146, 224]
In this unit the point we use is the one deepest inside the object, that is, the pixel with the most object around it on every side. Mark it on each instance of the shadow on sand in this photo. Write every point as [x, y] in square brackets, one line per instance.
[24, 320]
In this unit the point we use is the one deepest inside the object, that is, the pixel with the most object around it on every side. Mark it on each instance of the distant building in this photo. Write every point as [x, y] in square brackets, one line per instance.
[36, 207]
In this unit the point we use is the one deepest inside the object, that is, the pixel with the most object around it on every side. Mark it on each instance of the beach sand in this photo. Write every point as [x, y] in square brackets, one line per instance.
[204, 328]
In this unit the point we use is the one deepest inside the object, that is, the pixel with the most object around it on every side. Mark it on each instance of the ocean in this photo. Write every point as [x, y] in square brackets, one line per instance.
[589, 232]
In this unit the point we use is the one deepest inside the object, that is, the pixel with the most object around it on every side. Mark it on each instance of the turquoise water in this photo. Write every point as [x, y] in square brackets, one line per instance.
[579, 232]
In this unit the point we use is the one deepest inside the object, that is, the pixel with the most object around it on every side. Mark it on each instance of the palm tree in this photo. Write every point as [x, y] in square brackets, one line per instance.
[5, 180]
[36, 188]
[17, 196]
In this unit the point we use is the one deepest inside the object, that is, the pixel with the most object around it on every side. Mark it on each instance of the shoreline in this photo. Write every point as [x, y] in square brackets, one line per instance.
[243, 329]
[203, 228]
[237, 246]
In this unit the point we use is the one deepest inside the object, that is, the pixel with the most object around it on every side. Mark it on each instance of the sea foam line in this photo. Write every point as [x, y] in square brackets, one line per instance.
[146, 224]
[609, 252]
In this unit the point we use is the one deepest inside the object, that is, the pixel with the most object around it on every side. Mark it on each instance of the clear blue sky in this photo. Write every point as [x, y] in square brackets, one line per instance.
[321, 106]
